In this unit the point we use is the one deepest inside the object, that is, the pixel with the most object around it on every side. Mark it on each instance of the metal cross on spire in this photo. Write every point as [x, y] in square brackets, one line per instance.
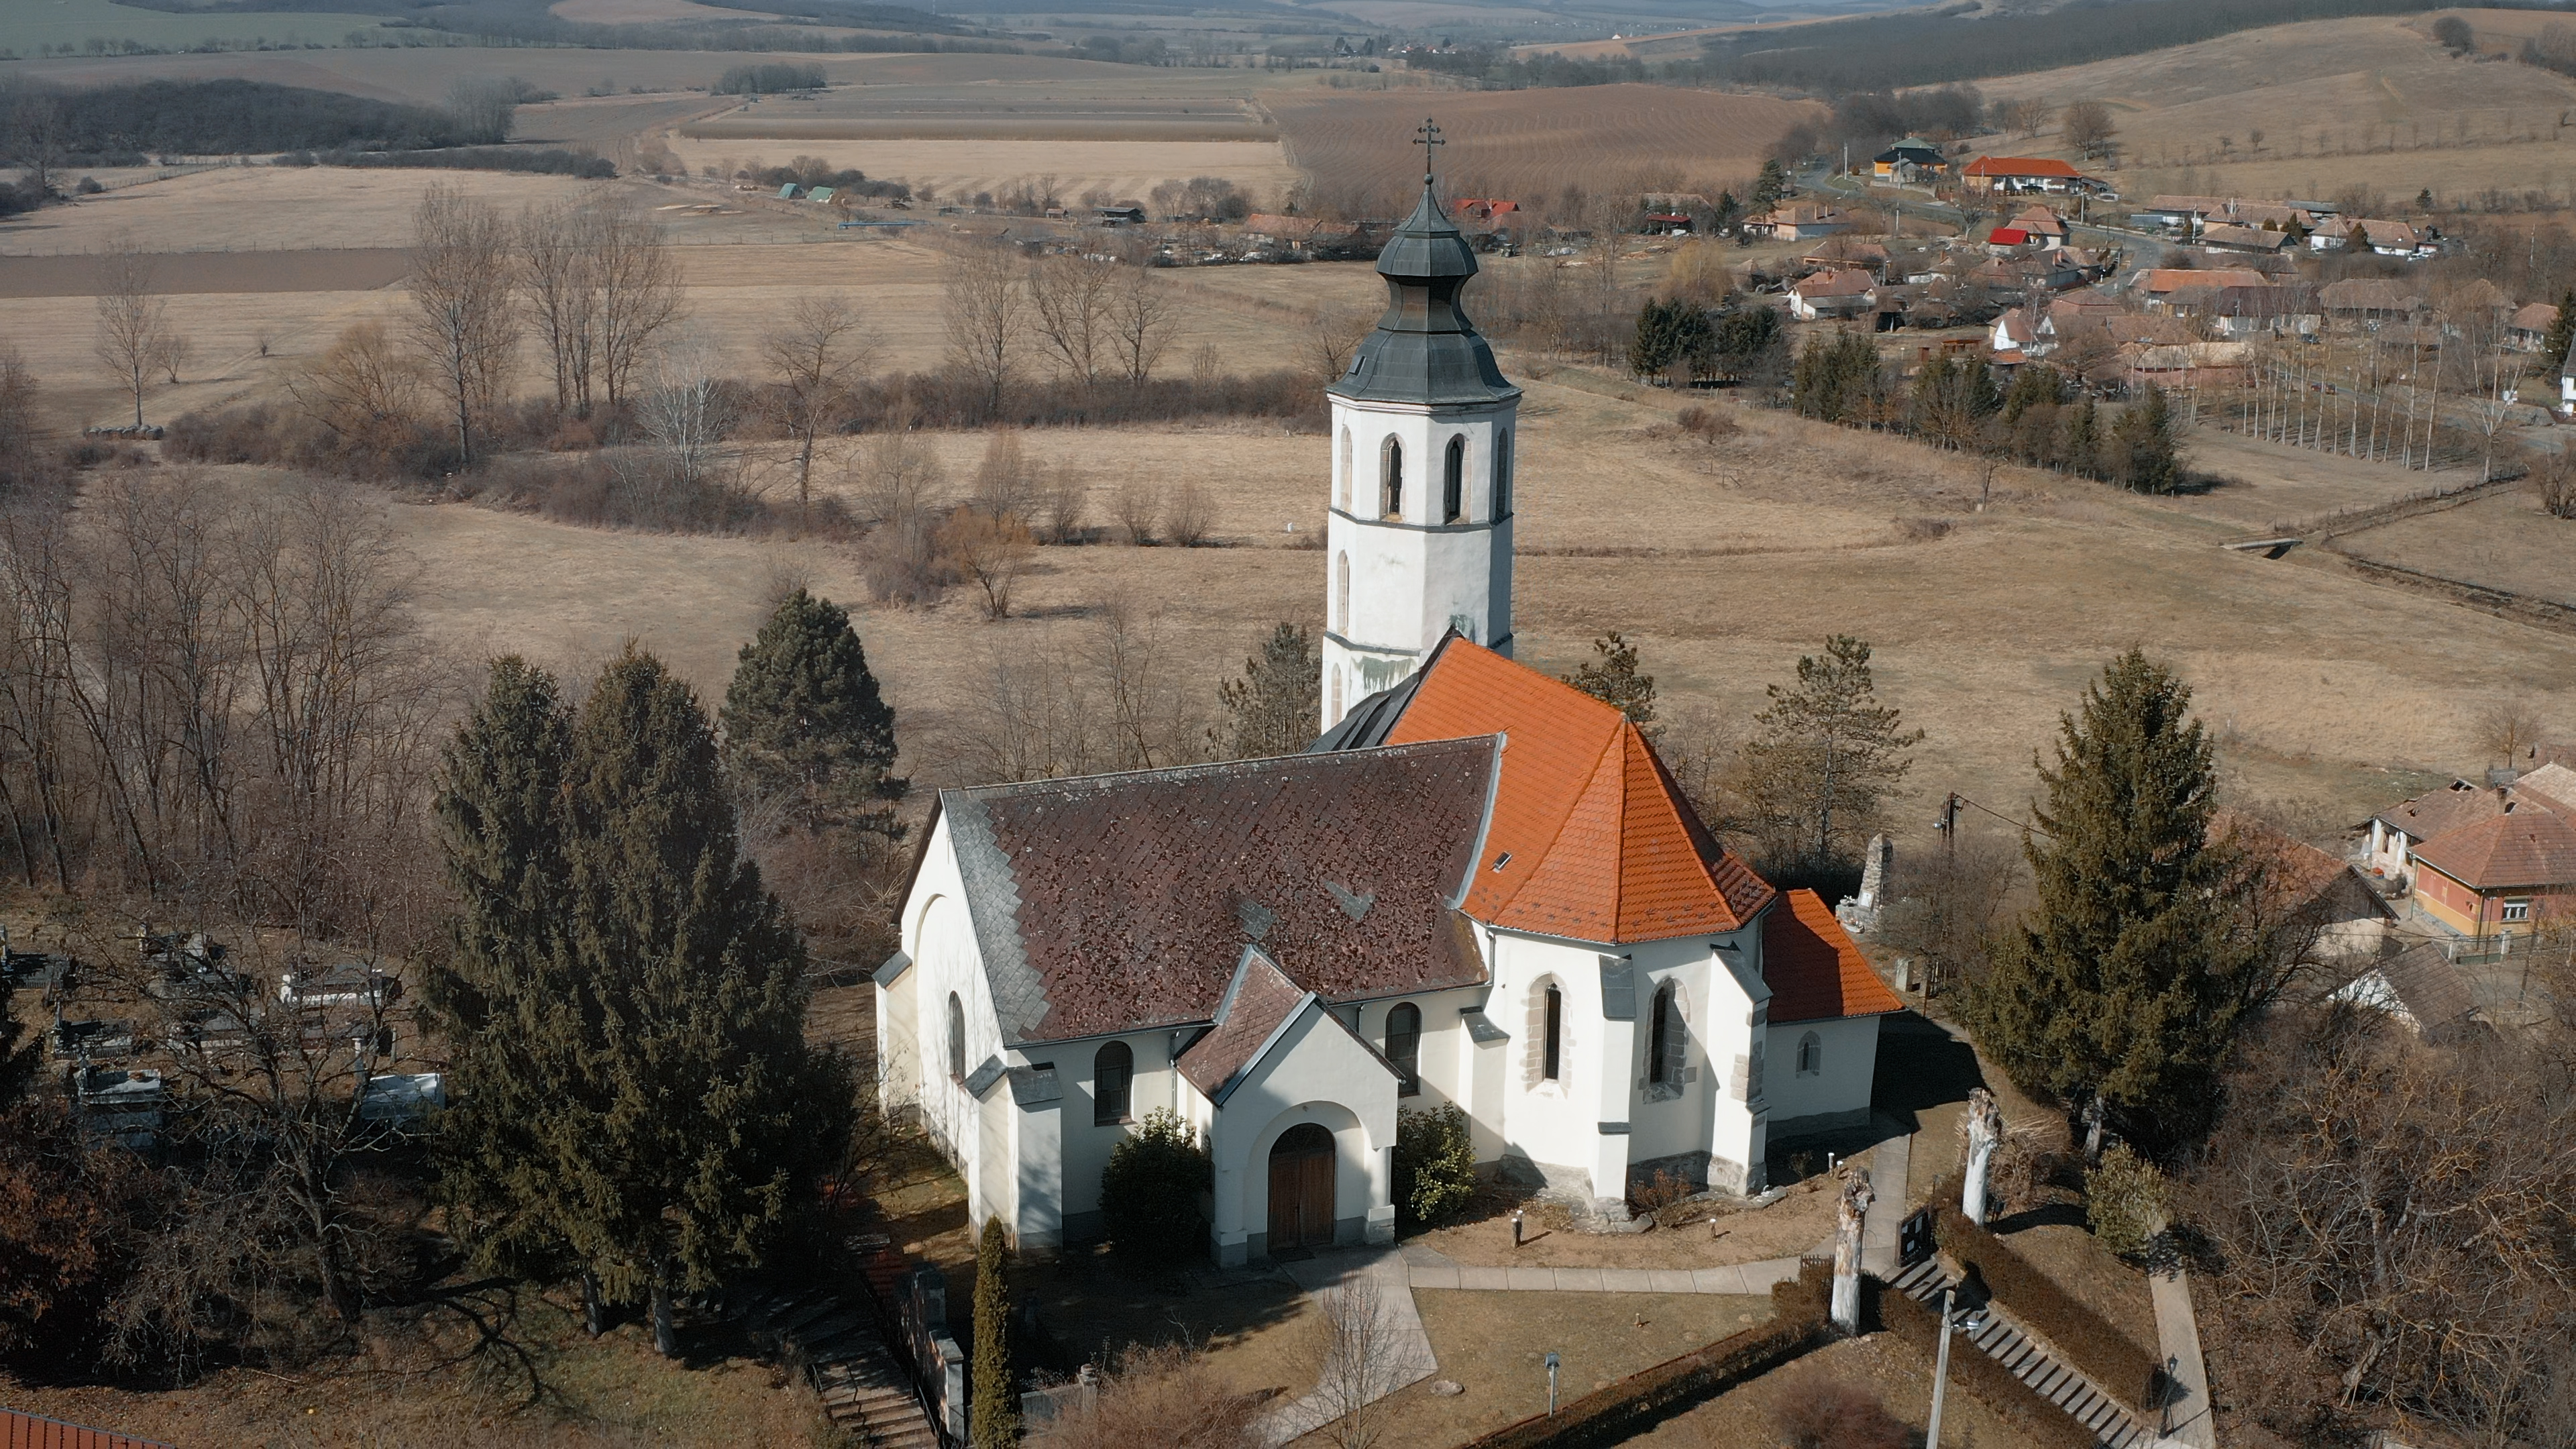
[1426, 136]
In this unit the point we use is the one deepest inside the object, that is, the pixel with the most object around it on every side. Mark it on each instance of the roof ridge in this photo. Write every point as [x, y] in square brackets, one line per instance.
[1556, 831]
[1663, 795]
[1205, 767]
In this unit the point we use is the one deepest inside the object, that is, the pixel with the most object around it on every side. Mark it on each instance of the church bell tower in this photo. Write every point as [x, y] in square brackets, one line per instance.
[1420, 533]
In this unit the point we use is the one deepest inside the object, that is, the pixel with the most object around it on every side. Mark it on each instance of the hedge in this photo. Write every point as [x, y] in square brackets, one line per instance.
[1642, 1400]
[2037, 1420]
[2076, 1334]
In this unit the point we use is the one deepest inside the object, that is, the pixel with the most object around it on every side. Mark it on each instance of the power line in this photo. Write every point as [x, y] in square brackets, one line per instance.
[1949, 821]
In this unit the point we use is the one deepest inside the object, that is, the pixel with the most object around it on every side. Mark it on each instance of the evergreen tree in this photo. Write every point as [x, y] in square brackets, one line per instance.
[712, 1113]
[2036, 385]
[1274, 709]
[993, 1411]
[1770, 186]
[2081, 448]
[1746, 342]
[2121, 990]
[1824, 761]
[502, 994]
[2148, 453]
[2562, 330]
[803, 717]
[1611, 677]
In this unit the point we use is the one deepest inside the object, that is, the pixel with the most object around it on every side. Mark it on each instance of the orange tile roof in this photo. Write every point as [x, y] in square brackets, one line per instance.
[2020, 166]
[1590, 838]
[1814, 971]
[2527, 848]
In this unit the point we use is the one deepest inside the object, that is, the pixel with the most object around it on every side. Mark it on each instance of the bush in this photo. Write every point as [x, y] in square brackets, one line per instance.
[2553, 476]
[2040, 1423]
[1435, 1163]
[770, 78]
[2081, 1337]
[1149, 1193]
[1818, 1413]
[2124, 1201]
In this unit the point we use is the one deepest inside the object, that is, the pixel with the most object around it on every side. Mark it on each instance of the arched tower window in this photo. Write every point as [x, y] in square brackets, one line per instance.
[1390, 475]
[1453, 481]
[956, 1039]
[1342, 594]
[1664, 1037]
[1811, 1054]
[1342, 475]
[1552, 1060]
[1502, 474]
[1113, 1072]
[1404, 1047]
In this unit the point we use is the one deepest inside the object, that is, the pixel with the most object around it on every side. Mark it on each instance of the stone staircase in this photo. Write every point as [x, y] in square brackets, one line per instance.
[864, 1389]
[2101, 1416]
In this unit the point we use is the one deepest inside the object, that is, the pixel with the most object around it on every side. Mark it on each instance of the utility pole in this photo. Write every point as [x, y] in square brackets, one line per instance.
[1940, 1372]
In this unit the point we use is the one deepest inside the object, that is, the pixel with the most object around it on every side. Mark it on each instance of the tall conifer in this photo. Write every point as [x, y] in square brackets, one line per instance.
[803, 715]
[713, 1111]
[2124, 985]
[1272, 709]
[993, 1413]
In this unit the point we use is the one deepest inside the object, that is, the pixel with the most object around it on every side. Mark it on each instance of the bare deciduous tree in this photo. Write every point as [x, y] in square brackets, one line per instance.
[1355, 1362]
[1331, 338]
[1163, 1395]
[1062, 501]
[557, 270]
[1004, 479]
[2506, 726]
[985, 308]
[1141, 316]
[18, 396]
[687, 412]
[639, 293]
[990, 550]
[1191, 515]
[135, 341]
[460, 291]
[1071, 303]
[1140, 507]
[815, 354]
[364, 392]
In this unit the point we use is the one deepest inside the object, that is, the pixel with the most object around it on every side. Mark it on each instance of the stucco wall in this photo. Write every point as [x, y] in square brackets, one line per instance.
[1316, 1073]
[1837, 1094]
[1088, 1143]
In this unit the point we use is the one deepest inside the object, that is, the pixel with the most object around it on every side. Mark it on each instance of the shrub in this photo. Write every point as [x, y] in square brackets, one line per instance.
[2081, 1337]
[1818, 1413]
[995, 1411]
[2124, 1201]
[2553, 475]
[1435, 1163]
[2040, 1423]
[1149, 1193]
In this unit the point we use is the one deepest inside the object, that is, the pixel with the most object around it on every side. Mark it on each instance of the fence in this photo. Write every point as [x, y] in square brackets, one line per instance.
[914, 1325]
[34, 1431]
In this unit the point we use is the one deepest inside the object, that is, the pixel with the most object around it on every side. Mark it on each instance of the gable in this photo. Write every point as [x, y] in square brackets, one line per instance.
[1814, 969]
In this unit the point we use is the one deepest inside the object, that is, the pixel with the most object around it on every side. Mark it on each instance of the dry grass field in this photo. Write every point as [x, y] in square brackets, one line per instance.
[424, 75]
[28, 24]
[2504, 542]
[1899, 1377]
[960, 169]
[2369, 100]
[1534, 142]
[265, 208]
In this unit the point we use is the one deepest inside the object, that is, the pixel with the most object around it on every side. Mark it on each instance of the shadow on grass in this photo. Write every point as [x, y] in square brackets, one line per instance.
[1920, 1066]
[1094, 1303]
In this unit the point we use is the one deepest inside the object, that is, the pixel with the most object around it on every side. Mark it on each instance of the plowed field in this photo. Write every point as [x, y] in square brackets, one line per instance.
[1533, 143]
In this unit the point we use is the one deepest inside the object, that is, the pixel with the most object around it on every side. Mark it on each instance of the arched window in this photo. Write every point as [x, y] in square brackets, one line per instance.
[1552, 1062]
[1390, 478]
[1453, 481]
[1502, 475]
[956, 1039]
[1664, 1037]
[1811, 1054]
[1404, 1047]
[1342, 475]
[1113, 1070]
[1342, 593]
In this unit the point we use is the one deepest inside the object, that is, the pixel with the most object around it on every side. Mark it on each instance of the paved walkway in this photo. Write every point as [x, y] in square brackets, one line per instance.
[1405, 1358]
[2178, 1335]
[1889, 1162]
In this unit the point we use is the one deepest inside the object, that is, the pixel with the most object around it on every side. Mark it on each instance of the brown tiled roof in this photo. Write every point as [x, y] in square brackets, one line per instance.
[1591, 839]
[2425, 982]
[2175, 279]
[2529, 847]
[2536, 317]
[2553, 785]
[1117, 902]
[1257, 1003]
[1814, 971]
[2297, 875]
[1850, 283]
[2021, 166]
[2437, 811]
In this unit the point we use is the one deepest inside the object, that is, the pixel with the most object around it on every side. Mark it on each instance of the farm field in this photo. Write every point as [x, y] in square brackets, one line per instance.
[960, 169]
[2326, 95]
[2271, 484]
[1533, 142]
[262, 208]
[425, 74]
[28, 24]
[2504, 542]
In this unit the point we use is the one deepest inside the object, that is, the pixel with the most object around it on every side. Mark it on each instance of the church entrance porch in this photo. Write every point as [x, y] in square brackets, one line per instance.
[1301, 1188]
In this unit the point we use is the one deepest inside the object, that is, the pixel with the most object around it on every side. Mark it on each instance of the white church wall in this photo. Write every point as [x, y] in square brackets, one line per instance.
[939, 935]
[1315, 1073]
[1038, 1188]
[1087, 1142]
[898, 1029]
[1550, 1123]
[1739, 1076]
[1439, 1060]
[1672, 1121]
[1834, 1093]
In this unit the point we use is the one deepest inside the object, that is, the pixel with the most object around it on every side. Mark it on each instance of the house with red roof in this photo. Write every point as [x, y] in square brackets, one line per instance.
[1479, 887]
[2506, 862]
[2012, 174]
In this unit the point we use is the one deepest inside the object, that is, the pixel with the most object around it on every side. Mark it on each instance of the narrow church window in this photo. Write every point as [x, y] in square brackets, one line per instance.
[1342, 593]
[1390, 472]
[1661, 1058]
[1404, 1047]
[1453, 482]
[1811, 1055]
[1112, 1072]
[1502, 475]
[1553, 1062]
[1337, 694]
[1342, 475]
[956, 1039]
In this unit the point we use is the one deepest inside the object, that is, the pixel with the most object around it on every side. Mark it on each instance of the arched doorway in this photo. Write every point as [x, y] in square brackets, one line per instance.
[1301, 1188]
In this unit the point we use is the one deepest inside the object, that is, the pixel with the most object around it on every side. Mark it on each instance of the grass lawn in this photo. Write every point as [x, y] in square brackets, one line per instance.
[1900, 1377]
[1495, 1345]
[1794, 1225]
[1260, 1333]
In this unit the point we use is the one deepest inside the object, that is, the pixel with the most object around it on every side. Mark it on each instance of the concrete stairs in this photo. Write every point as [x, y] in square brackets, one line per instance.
[2102, 1417]
[864, 1390]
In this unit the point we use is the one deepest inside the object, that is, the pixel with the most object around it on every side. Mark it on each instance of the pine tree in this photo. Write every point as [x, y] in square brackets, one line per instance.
[2082, 446]
[803, 717]
[1274, 708]
[1611, 677]
[2149, 460]
[2036, 385]
[1772, 185]
[2124, 985]
[993, 1412]
[497, 995]
[1825, 760]
[712, 1113]
[2562, 330]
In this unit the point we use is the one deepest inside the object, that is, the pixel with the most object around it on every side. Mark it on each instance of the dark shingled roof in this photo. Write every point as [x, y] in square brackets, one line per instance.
[1120, 902]
[1257, 1003]
[2425, 982]
[1424, 349]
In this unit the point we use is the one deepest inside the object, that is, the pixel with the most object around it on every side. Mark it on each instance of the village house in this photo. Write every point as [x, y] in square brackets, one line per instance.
[2528, 329]
[2324, 899]
[1838, 252]
[2230, 238]
[1910, 160]
[1798, 221]
[1304, 233]
[2015, 174]
[2040, 224]
[1479, 887]
[2501, 878]
[2389, 837]
[2421, 989]
[2387, 238]
[2190, 289]
[2368, 302]
[1842, 293]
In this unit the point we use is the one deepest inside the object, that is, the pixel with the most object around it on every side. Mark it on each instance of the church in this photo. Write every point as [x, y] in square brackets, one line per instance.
[1478, 886]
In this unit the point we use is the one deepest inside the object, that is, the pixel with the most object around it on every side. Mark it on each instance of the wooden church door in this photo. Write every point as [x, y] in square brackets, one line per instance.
[1301, 1188]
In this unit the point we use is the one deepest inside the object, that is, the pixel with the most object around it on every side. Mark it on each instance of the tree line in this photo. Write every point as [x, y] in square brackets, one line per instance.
[48, 128]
